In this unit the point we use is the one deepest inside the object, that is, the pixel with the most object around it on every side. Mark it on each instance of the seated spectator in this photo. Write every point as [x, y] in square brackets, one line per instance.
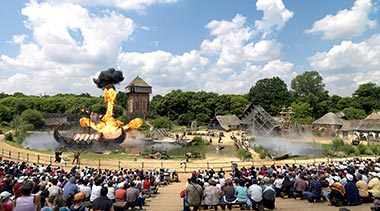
[269, 194]
[286, 185]
[132, 196]
[241, 192]
[256, 194]
[5, 200]
[78, 203]
[300, 185]
[374, 185]
[314, 190]
[27, 201]
[362, 188]
[111, 191]
[103, 203]
[352, 192]
[120, 193]
[194, 194]
[337, 192]
[212, 194]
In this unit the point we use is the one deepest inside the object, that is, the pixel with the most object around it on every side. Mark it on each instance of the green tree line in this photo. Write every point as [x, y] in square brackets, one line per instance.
[306, 95]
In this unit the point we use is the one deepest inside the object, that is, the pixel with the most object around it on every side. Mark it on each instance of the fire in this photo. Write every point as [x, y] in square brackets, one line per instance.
[134, 124]
[108, 125]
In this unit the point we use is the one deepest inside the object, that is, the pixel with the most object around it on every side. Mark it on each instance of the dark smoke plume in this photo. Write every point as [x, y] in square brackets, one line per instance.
[108, 78]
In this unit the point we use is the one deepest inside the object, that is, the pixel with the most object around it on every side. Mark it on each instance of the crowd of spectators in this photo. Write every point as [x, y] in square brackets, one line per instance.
[33, 187]
[351, 182]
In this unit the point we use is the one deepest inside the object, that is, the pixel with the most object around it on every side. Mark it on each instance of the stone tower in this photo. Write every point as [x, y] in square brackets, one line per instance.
[138, 98]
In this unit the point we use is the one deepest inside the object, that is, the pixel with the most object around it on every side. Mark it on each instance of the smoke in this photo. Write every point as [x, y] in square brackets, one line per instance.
[108, 78]
[279, 146]
[41, 141]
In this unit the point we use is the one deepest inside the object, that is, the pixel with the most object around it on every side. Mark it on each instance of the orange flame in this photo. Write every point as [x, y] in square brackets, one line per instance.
[133, 124]
[108, 125]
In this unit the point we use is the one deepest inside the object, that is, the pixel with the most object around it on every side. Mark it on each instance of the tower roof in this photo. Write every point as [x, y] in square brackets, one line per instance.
[138, 82]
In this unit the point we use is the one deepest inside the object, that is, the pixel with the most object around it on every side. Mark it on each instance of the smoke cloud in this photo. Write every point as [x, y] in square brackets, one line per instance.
[279, 146]
[108, 78]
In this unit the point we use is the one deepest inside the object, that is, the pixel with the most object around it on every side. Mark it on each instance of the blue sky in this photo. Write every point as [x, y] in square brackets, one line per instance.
[222, 46]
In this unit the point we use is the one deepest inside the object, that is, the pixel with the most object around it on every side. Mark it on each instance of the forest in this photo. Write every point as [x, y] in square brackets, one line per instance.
[306, 95]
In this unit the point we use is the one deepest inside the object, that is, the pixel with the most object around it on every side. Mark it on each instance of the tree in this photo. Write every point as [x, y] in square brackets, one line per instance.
[19, 125]
[302, 113]
[354, 113]
[367, 96]
[270, 93]
[309, 88]
[162, 122]
[5, 113]
[122, 99]
[32, 117]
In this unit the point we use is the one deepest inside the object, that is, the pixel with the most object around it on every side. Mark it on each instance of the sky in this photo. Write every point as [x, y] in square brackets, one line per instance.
[223, 46]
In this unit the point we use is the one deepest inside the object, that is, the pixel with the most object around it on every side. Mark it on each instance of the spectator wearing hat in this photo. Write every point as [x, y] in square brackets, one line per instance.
[27, 201]
[78, 203]
[103, 203]
[212, 194]
[16, 187]
[121, 192]
[337, 191]
[7, 204]
[352, 192]
[374, 185]
[299, 186]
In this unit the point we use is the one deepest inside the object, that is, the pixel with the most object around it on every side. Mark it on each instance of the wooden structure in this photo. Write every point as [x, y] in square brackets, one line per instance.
[328, 124]
[227, 123]
[255, 119]
[138, 98]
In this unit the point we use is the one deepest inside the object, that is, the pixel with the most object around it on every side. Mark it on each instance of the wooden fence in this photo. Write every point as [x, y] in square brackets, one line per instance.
[157, 164]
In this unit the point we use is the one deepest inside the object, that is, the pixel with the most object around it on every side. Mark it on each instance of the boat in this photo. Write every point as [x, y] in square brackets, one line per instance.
[85, 139]
[281, 157]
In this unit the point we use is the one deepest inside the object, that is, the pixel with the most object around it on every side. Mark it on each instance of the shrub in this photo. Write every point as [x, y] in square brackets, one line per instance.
[8, 137]
[198, 141]
[362, 149]
[244, 154]
[336, 144]
[375, 149]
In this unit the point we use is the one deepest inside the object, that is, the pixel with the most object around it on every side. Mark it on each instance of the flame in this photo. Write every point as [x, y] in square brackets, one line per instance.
[133, 124]
[108, 125]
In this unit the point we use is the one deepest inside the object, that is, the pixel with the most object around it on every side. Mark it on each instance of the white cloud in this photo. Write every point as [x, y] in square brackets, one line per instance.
[232, 45]
[346, 23]
[347, 65]
[275, 16]
[241, 82]
[165, 70]
[138, 5]
[68, 43]
[349, 56]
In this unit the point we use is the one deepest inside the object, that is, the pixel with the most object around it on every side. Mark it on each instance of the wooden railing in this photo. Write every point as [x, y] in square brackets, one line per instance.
[158, 164]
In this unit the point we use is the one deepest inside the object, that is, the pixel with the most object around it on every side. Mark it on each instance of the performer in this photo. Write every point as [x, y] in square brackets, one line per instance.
[58, 156]
[76, 157]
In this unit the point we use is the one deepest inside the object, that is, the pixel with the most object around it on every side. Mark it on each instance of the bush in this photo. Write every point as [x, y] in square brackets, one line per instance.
[162, 122]
[198, 141]
[349, 149]
[362, 149]
[8, 137]
[336, 144]
[262, 152]
[244, 154]
[375, 149]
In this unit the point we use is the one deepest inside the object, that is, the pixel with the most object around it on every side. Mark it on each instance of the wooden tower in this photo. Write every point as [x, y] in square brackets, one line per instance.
[138, 98]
